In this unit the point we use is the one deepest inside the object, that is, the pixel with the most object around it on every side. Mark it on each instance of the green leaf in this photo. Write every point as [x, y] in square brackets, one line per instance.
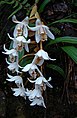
[20, 7]
[64, 21]
[66, 39]
[71, 51]
[16, 4]
[21, 54]
[42, 6]
[25, 61]
[6, 2]
[11, 45]
[24, 2]
[56, 30]
[57, 68]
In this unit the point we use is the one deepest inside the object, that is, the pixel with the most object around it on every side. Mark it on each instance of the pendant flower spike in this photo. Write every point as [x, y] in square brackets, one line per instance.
[20, 43]
[41, 31]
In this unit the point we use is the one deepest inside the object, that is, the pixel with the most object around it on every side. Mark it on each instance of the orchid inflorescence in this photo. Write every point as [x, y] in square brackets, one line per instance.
[20, 41]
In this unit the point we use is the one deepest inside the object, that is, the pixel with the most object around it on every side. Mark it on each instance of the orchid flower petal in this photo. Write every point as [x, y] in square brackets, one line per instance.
[44, 55]
[32, 81]
[12, 66]
[10, 37]
[17, 79]
[17, 91]
[10, 76]
[52, 59]
[25, 31]
[38, 22]
[38, 81]
[15, 31]
[35, 93]
[37, 37]
[49, 79]
[26, 47]
[38, 101]
[7, 61]
[11, 51]
[49, 85]
[26, 20]
[5, 48]
[28, 41]
[27, 67]
[50, 35]
[28, 92]
[19, 38]
[11, 80]
[33, 103]
[14, 19]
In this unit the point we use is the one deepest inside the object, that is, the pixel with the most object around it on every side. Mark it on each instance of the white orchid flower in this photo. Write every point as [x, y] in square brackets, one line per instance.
[10, 52]
[17, 79]
[19, 91]
[20, 42]
[30, 67]
[42, 31]
[37, 92]
[40, 56]
[13, 66]
[14, 41]
[38, 101]
[40, 81]
[43, 54]
[23, 41]
[21, 27]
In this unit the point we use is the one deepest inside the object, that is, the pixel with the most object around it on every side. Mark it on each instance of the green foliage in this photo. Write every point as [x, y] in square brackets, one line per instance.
[56, 30]
[66, 39]
[69, 20]
[21, 54]
[16, 5]
[74, 2]
[6, 2]
[19, 8]
[57, 68]
[43, 5]
[25, 61]
[71, 51]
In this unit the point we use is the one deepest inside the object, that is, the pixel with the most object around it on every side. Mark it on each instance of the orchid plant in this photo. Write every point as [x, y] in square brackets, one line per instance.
[35, 68]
